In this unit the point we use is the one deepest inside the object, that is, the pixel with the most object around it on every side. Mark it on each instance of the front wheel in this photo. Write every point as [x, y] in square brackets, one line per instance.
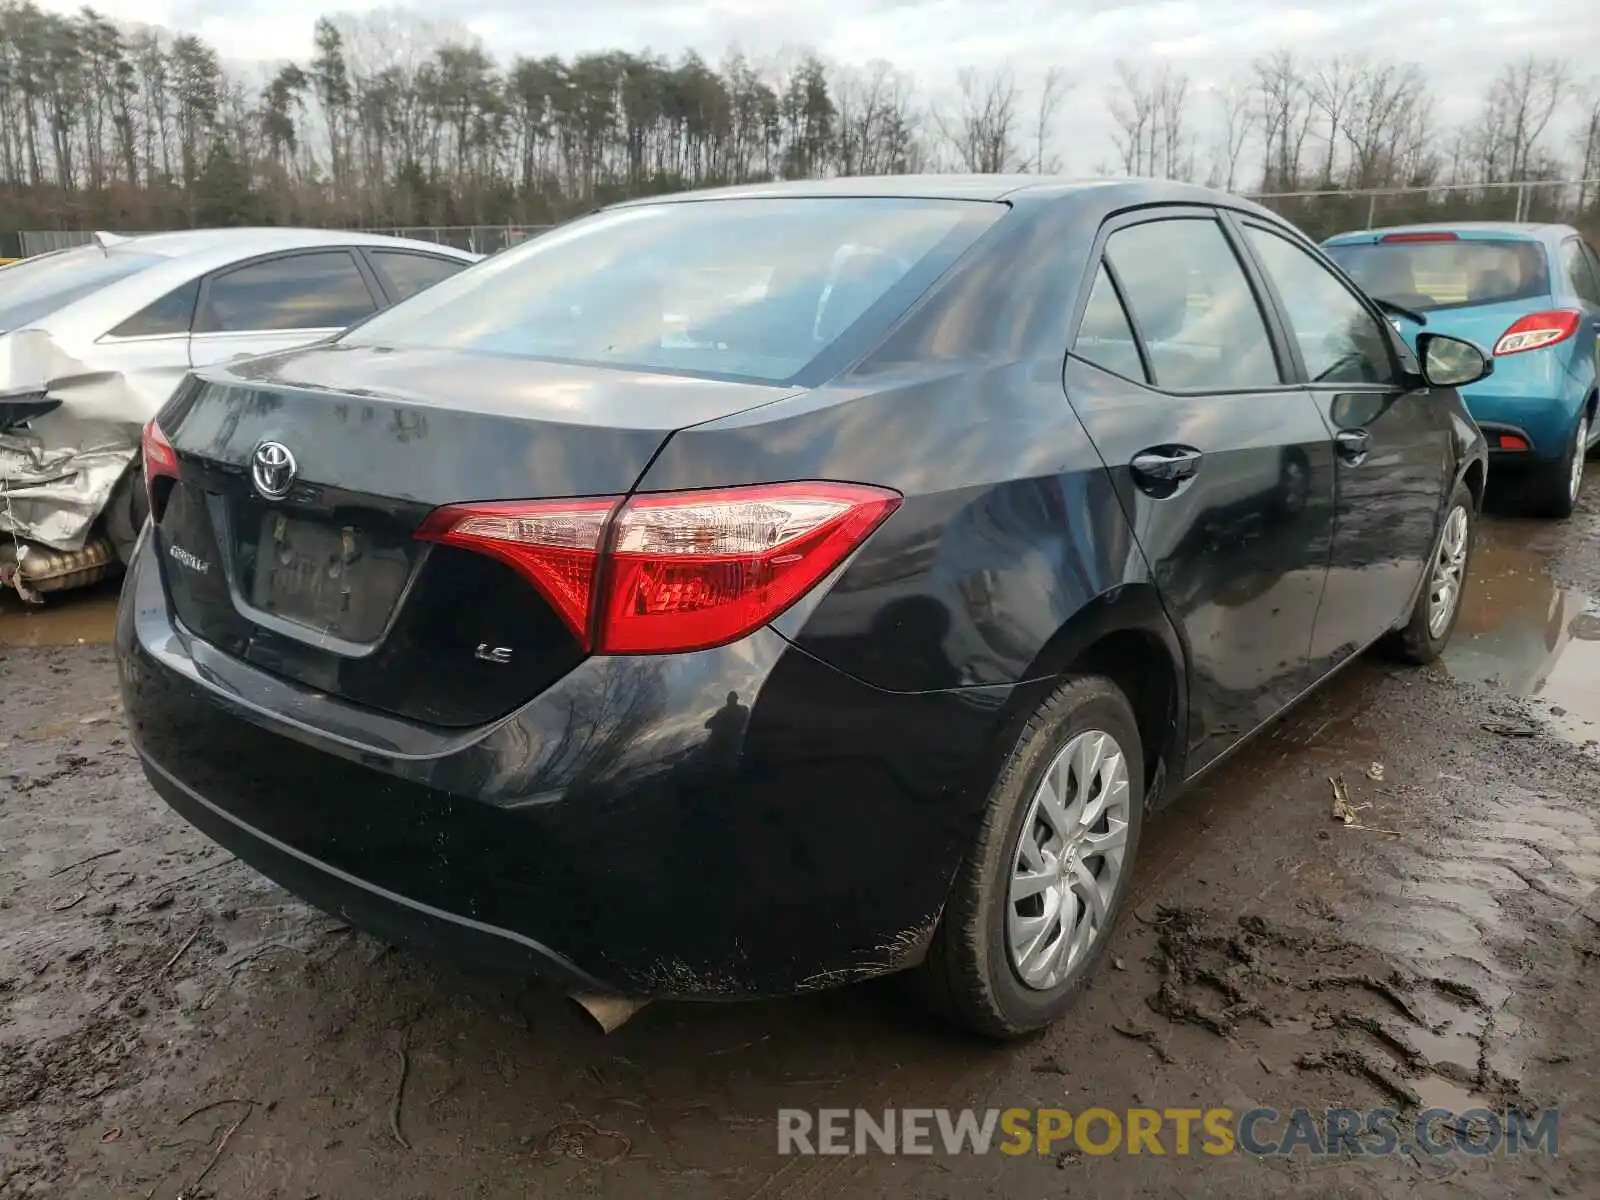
[1438, 607]
[1554, 487]
[1034, 902]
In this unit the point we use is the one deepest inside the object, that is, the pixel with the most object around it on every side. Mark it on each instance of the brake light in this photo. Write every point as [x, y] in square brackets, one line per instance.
[160, 459]
[676, 571]
[1538, 330]
[1419, 237]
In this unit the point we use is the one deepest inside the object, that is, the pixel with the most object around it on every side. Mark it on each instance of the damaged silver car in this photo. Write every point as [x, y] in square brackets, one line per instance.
[94, 339]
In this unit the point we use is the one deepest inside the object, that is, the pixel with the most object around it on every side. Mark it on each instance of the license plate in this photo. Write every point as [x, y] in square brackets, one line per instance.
[329, 577]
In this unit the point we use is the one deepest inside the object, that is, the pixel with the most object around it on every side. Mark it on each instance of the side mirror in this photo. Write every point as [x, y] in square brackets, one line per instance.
[1452, 362]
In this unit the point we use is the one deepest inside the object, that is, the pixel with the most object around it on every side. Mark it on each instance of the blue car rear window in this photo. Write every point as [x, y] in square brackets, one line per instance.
[1426, 276]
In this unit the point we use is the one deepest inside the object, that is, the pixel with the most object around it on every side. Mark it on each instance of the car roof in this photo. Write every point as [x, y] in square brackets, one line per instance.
[1469, 230]
[247, 240]
[994, 188]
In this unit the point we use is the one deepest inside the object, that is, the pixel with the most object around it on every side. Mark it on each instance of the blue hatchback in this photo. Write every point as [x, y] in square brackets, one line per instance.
[1531, 293]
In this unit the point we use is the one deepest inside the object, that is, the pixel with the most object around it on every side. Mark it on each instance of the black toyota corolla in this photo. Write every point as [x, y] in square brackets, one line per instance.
[747, 592]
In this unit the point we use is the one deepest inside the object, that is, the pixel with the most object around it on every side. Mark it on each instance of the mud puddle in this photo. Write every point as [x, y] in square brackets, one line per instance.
[1522, 632]
[81, 617]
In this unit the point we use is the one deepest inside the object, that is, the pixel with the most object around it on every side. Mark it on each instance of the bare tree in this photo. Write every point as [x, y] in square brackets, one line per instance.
[1132, 104]
[1284, 103]
[1516, 113]
[981, 129]
[1588, 139]
[1152, 135]
[1235, 121]
[1332, 90]
[1385, 122]
[1053, 90]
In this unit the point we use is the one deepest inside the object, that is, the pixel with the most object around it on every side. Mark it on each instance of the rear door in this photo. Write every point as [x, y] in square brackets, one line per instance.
[279, 302]
[1393, 445]
[1223, 465]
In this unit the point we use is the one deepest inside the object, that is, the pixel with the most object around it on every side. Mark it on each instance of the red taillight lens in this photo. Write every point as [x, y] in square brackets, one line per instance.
[160, 459]
[679, 571]
[1419, 237]
[1538, 330]
[697, 569]
[553, 543]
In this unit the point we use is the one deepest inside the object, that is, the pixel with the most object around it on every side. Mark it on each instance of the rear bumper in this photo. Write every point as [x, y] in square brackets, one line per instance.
[1532, 397]
[633, 829]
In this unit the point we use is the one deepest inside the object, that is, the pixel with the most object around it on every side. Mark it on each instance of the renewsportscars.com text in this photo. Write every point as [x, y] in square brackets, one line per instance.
[1169, 1131]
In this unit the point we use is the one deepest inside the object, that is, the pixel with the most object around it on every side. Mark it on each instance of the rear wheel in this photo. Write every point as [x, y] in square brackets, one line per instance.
[1554, 487]
[1034, 902]
[1433, 617]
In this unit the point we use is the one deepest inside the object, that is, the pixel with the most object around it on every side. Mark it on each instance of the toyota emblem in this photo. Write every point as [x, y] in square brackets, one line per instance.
[272, 468]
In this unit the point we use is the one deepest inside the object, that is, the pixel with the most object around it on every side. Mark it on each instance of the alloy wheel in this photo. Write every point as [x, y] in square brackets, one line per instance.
[1069, 860]
[1449, 563]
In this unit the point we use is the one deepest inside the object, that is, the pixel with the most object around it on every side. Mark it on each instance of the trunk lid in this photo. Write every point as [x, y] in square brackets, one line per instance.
[306, 563]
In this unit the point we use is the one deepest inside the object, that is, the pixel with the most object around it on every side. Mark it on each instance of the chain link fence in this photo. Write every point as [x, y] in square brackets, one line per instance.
[1320, 213]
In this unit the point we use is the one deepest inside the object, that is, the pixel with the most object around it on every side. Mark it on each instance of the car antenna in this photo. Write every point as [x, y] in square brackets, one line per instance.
[107, 240]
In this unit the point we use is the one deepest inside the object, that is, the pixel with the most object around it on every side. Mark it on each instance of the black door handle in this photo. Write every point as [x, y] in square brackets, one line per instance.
[1168, 464]
[1353, 444]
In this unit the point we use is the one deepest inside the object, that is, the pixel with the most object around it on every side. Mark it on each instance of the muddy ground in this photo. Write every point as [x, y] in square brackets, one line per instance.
[172, 1025]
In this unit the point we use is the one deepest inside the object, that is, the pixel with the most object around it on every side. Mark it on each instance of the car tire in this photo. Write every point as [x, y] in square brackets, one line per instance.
[971, 975]
[1553, 488]
[1422, 639]
[125, 511]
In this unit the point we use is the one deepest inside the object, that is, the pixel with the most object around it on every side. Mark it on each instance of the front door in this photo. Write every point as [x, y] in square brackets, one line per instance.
[1393, 446]
[1223, 465]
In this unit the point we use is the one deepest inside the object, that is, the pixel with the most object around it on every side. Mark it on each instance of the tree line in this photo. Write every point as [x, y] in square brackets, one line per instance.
[398, 120]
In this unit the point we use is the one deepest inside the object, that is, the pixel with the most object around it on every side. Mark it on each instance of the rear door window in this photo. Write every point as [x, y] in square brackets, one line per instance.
[1202, 327]
[169, 315]
[1105, 338]
[407, 273]
[322, 290]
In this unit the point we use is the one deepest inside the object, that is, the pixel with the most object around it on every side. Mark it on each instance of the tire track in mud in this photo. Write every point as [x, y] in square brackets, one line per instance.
[1429, 933]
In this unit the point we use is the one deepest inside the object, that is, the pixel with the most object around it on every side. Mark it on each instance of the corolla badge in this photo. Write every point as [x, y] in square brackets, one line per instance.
[272, 468]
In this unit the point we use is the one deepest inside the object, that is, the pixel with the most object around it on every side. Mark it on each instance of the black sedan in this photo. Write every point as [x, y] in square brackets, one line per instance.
[746, 592]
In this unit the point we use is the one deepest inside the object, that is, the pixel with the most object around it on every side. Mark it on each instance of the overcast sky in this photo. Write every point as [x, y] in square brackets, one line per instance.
[1460, 44]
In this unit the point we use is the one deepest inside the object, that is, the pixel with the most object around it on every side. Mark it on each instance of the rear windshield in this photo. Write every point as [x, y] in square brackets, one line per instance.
[1431, 275]
[744, 289]
[35, 288]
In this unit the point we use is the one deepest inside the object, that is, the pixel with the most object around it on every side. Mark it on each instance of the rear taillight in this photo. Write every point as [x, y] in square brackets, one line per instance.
[677, 571]
[554, 543]
[1538, 330]
[160, 459]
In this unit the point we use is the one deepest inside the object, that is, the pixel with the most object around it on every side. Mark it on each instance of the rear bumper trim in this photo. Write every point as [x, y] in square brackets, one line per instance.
[375, 910]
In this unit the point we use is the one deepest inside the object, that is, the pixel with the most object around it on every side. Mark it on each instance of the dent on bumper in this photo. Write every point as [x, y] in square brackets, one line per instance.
[742, 821]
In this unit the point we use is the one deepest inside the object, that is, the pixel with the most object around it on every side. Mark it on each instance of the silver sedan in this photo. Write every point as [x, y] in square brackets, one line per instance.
[94, 339]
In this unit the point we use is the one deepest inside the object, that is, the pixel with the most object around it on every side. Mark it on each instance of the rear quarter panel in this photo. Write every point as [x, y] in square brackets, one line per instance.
[1009, 525]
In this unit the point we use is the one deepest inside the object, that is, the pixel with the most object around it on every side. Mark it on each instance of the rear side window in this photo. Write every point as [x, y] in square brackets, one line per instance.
[1105, 338]
[1202, 327]
[35, 288]
[168, 315]
[1340, 341]
[744, 288]
[1580, 276]
[1434, 274]
[408, 274]
[324, 290]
